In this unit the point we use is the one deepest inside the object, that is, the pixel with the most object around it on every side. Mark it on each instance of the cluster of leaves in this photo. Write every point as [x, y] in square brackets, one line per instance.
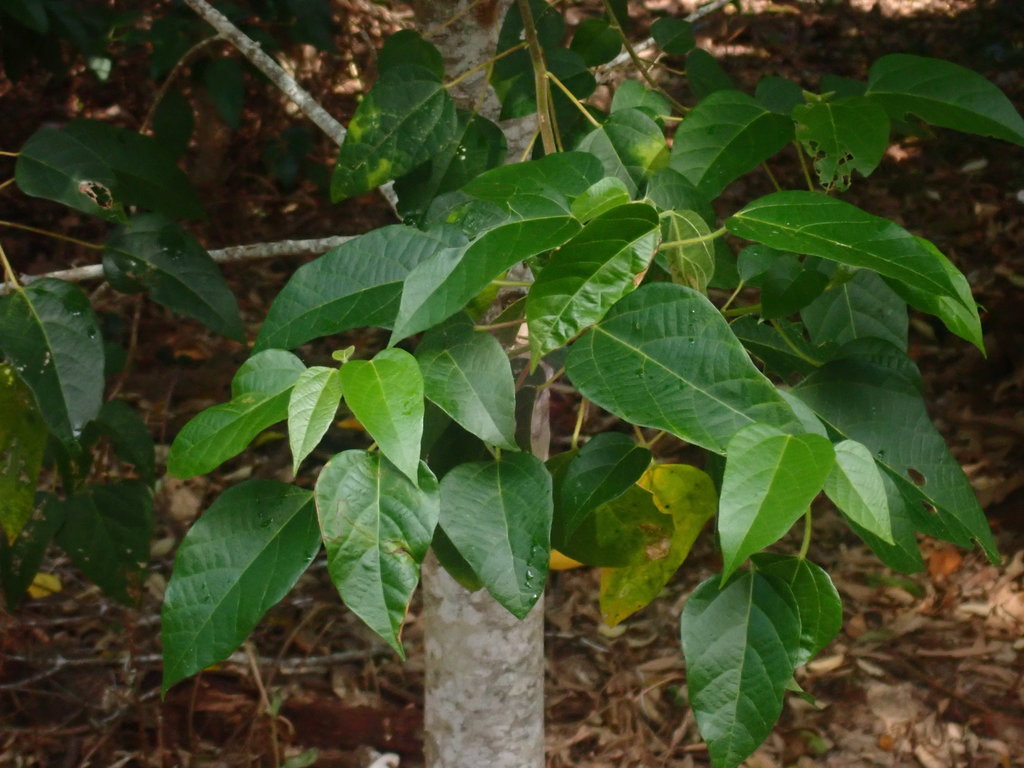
[622, 247]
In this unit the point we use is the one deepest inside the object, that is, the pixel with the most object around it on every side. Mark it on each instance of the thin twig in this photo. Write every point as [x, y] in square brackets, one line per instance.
[540, 82]
[259, 59]
[313, 247]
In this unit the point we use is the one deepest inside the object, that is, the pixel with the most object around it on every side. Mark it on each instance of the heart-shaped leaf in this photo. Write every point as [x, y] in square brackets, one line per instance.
[377, 527]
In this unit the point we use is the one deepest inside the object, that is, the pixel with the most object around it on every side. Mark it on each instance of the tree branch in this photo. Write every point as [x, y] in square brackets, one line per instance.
[259, 59]
[313, 247]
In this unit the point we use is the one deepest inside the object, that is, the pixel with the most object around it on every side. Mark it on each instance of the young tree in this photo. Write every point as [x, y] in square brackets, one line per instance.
[596, 258]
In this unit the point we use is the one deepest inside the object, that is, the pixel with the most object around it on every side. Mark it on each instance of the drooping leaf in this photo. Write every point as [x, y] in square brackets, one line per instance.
[770, 480]
[101, 169]
[155, 254]
[498, 515]
[589, 273]
[596, 42]
[312, 405]
[356, 284]
[723, 137]
[904, 554]
[693, 263]
[775, 350]
[633, 95]
[778, 94]
[259, 398]
[405, 118]
[630, 146]
[842, 137]
[674, 36]
[51, 338]
[610, 192]
[407, 46]
[861, 307]
[943, 93]
[786, 284]
[665, 357]
[855, 486]
[817, 600]
[386, 396]
[686, 497]
[239, 558]
[446, 282]
[467, 374]
[706, 75]
[22, 441]
[872, 394]
[819, 225]
[129, 436]
[476, 146]
[106, 532]
[20, 559]
[619, 533]
[377, 527]
[741, 641]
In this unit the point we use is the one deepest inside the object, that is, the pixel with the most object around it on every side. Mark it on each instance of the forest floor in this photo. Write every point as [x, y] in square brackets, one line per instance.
[928, 670]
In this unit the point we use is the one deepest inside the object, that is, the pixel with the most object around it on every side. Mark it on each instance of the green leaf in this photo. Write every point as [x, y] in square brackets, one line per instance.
[706, 75]
[477, 146]
[154, 254]
[356, 284]
[600, 472]
[406, 46]
[778, 94]
[467, 374]
[31, 13]
[610, 192]
[764, 342]
[668, 189]
[22, 441]
[664, 357]
[377, 527]
[818, 225]
[855, 486]
[861, 307]
[770, 480]
[904, 554]
[259, 398]
[674, 36]
[101, 169]
[386, 396]
[405, 118]
[446, 282]
[588, 274]
[559, 178]
[786, 284]
[691, 264]
[843, 137]
[686, 499]
[51, 337]
[740, 641]
[596, 42]
[239, 558]
[818, 602]
[945, 94]
[224, 80]
[498, 515]
[311, 408]
[107, 532]
[630, 146]
[173, 123]
[872, 394]
[129, 436]
[20, 560]
[725, 136]
[632, 95]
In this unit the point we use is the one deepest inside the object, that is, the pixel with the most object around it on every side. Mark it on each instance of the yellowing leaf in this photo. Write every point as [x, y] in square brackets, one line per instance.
[22, 440]
[559, 562]
[687, 496]
[44, 585]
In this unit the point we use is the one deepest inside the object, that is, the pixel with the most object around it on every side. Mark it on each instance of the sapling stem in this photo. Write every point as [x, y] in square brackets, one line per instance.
[581, 415]
[694, 240]
[775, 182]
[7, 183]
[741, 311]
[732, 297]
[803, 165]
[512, 283]
[4, 153]
[796, 350]
[54, 235]
[540, 82]
[497, 326]
[553, 378]
[9, 277]
[805, 545]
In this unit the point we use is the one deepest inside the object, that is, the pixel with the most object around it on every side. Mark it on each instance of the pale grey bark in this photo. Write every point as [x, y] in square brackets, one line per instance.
[485, 669]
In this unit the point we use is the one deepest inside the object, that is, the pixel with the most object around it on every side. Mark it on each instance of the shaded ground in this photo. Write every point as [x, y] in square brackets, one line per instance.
[928, 670]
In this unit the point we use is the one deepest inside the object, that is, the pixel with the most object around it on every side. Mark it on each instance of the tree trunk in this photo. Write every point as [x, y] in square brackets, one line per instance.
[484, 668]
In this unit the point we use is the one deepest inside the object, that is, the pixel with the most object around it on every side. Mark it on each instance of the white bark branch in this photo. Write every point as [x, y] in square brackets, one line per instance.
[313, 247]
[265, 64]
